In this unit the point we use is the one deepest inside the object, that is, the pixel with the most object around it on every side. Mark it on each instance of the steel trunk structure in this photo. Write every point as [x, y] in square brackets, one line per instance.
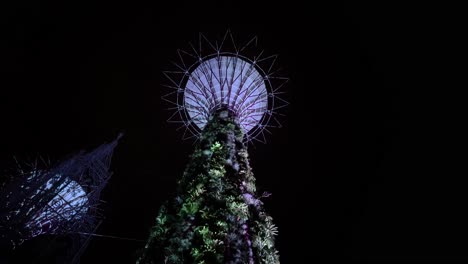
[59, 201]
[224, 100]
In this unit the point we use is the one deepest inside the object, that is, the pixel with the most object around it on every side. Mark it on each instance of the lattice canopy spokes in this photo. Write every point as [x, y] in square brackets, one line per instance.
[224, 74]
[226, 81]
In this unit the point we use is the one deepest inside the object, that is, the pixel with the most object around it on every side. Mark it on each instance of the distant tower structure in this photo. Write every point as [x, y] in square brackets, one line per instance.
[225, 97]
[62, 200]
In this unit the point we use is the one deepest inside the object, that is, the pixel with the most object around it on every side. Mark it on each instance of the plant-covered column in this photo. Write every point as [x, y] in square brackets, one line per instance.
[217, 216]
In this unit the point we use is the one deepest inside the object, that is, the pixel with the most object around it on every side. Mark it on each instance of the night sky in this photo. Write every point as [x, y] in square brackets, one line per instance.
[351, 172]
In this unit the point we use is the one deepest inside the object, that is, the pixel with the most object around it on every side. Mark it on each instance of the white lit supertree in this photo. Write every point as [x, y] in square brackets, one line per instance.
[224, 97]
[221, 74]
[60, 200]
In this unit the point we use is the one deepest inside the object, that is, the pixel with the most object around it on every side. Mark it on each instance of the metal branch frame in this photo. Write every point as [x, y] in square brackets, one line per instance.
[213, 75]
[60, 200]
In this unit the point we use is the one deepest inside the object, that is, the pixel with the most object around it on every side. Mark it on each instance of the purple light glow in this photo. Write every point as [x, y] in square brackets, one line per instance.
[212, 75]
[69, 204]
[226, 80]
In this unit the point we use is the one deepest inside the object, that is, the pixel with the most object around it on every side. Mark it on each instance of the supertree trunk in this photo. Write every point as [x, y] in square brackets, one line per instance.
[217, 216]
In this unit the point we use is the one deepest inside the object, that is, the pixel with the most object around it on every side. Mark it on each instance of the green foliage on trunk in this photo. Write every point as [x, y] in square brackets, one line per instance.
[216, 216]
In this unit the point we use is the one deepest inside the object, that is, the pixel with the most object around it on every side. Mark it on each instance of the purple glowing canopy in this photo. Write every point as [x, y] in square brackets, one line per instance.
[216, 74]
[58, 200]
[229, 81]
[69, 204]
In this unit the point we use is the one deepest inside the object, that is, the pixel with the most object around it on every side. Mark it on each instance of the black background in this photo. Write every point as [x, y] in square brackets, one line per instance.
[356, 172]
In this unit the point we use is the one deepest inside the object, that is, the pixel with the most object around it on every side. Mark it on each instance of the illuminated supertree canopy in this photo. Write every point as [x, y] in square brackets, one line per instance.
[222, 74]
[58, 200]
[228, 81]
[225, 100]
[69, 204]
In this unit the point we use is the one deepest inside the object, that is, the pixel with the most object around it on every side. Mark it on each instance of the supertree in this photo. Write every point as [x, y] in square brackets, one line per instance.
[60, 200]
[224, 100]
